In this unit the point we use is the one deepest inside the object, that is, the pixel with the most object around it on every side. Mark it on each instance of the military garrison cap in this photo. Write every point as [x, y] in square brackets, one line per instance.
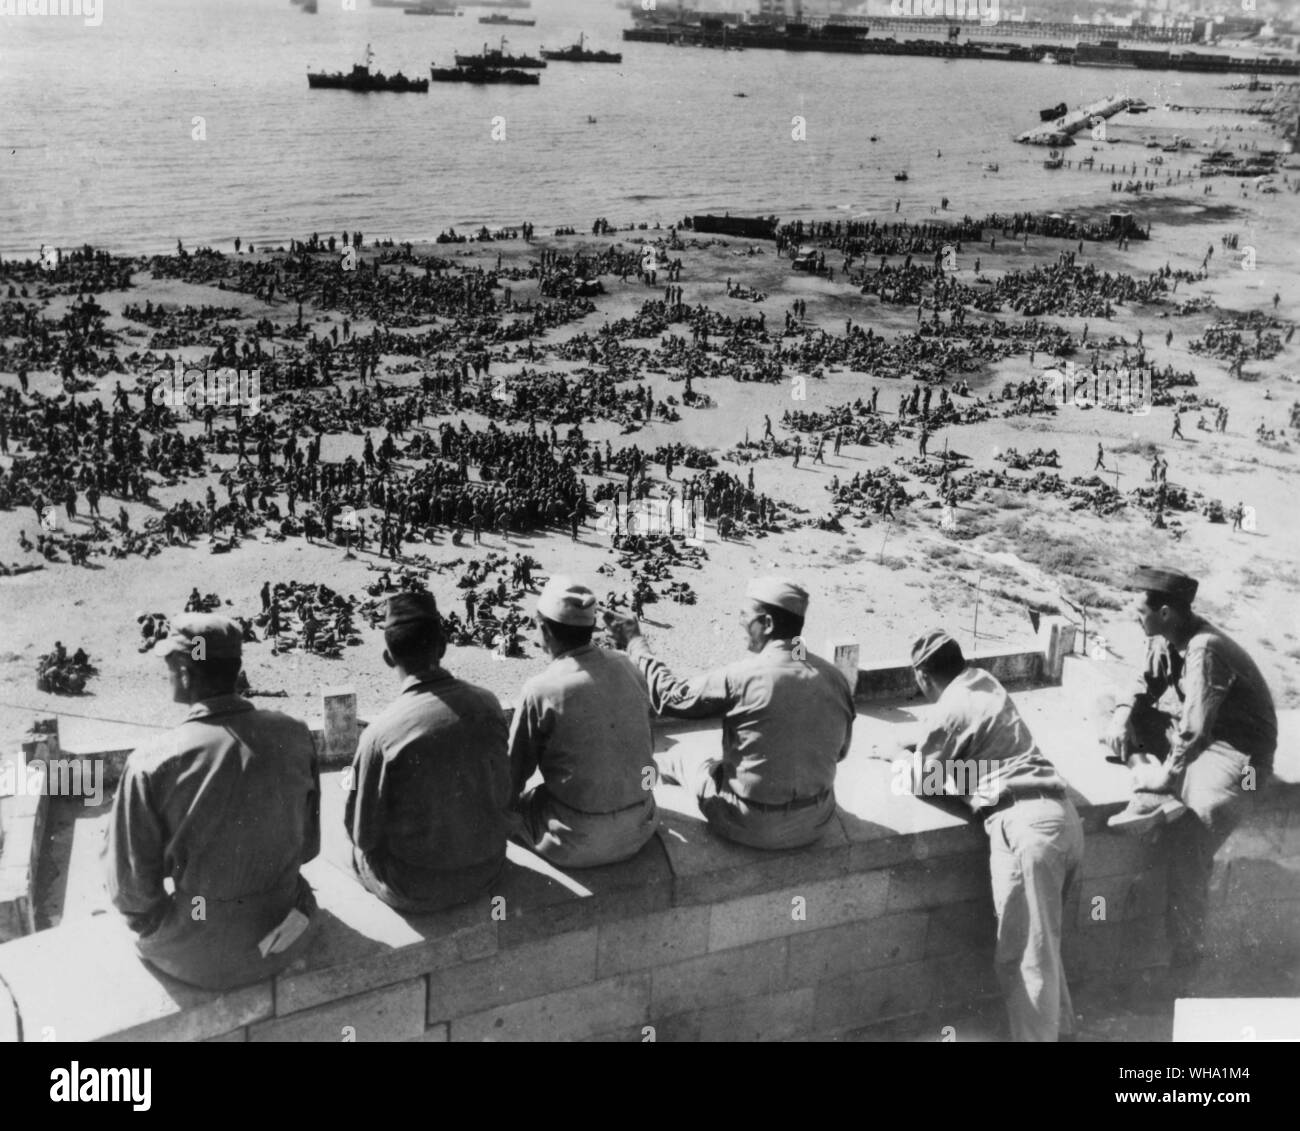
[567, 601]
[410, 608]
[779, 592]
[927, 645]
[204, 636]
[1169, 582]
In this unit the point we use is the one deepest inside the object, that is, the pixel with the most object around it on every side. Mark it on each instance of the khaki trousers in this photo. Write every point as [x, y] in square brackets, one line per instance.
[573, 839]
[733, 818]
[1035, 848]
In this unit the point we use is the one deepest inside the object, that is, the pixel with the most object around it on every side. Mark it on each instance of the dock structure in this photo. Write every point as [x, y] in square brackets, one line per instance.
[1062, 130]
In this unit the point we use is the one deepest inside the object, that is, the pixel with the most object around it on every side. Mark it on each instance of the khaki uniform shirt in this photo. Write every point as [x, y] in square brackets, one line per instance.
[975, 734]
[226, 806]
[430, 781]
[585, 721]
[1223, 695]
[786, 723]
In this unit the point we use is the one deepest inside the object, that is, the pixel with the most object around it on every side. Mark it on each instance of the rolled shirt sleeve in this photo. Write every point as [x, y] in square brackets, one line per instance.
[698, 697]
[1207, 679]
[1159, 673]
[938, 744]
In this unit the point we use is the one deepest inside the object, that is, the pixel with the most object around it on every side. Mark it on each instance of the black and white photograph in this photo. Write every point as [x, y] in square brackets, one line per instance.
[624, 521]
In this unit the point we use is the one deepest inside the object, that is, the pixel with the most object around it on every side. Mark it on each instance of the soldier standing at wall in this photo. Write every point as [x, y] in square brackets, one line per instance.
[975, 745]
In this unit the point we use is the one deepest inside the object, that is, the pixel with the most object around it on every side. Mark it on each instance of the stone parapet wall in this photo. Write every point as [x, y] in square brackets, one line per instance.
[694, 939]
[887, 922]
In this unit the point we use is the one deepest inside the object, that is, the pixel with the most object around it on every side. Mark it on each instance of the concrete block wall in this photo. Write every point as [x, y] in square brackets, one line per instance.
[694, 939]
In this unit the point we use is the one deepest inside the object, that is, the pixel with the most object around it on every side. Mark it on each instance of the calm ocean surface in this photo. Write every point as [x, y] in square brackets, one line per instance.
[96, 125]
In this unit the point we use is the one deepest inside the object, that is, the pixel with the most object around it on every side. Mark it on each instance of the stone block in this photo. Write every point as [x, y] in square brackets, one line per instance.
[393, 1013]
[775, 1018]
[708, 869]
[1116, 854]
[1117, 899]
[870, 996]
[713, 979]
[1263, 880]
[542, 900]
[569, 1015]
[883, 941]
[654, 940]
[1143, 944]
[932, 883]
[1090, 952]
[800, 909]
[526, 971]
[1267, 932]
[363, 944]
[959, 980]
[959, 928]
[83, 981]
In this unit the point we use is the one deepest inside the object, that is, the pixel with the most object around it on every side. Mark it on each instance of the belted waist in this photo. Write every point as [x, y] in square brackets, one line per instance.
[795, 803]
[602, 812]
[1054, 793]
[290, 885]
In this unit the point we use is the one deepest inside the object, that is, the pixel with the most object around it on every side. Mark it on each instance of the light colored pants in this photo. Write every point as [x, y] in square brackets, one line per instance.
[1212, 790]
[1035, 848]
[572, 839]
[733, 819]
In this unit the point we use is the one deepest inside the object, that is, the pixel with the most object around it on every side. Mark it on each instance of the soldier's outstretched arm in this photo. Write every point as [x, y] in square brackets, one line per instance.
[699, 697]
[696, 697]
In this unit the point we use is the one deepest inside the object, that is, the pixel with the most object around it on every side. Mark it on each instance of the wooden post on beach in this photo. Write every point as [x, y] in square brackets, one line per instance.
[845, 652]
[339, 724]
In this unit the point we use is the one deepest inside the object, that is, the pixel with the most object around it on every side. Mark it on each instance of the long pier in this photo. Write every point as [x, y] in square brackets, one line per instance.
[1066, 126]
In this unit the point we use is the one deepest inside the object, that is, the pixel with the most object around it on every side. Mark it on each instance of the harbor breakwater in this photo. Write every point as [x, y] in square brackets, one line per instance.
[835, 40]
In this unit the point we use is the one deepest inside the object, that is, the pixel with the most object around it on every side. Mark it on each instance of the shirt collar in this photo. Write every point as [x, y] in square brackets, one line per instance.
[1199, 625]
[580, 650]
[218, 705]
[418, 679]
[959, 683]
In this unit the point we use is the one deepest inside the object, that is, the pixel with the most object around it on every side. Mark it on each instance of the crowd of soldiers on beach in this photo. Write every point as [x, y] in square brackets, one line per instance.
[419, 341]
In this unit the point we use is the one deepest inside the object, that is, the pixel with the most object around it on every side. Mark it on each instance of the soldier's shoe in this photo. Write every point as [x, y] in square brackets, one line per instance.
[1146, 811]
